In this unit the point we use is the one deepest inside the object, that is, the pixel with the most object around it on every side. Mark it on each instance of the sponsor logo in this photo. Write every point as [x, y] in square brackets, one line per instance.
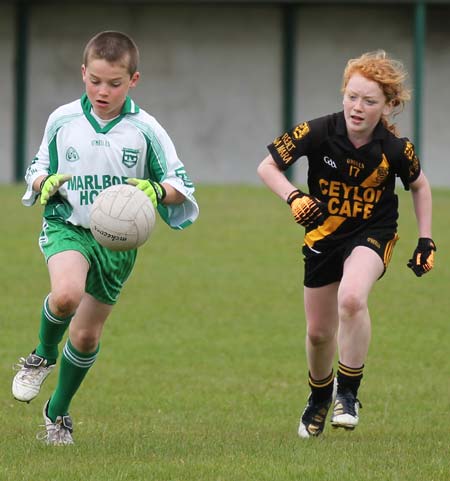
[109, 235]
[89, 186]
[130, 157]
[100, 143]
[350, 200]
[356, 163]
[72, 155]
[284, 145]
[374, 242]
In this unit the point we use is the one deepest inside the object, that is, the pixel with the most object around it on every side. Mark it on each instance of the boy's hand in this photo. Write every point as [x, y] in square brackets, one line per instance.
[306, 209]
[51, 184]
[423, 258]
[153, 190]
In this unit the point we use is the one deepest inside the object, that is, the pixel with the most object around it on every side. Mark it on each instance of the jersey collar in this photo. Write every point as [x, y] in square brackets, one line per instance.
[129, 107]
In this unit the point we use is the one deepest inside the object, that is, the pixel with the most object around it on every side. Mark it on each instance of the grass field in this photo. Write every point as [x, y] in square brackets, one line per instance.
[202, 373]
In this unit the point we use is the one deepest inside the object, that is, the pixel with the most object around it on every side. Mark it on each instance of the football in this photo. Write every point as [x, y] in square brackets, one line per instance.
[122, 217]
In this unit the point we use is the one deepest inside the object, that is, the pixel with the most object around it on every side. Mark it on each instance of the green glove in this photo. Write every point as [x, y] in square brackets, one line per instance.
[51, 184]
[153, 190]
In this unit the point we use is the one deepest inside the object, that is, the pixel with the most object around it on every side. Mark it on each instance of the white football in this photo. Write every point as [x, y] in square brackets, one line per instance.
[122, 217]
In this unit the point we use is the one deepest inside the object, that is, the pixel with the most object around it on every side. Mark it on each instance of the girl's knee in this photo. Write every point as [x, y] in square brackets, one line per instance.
[350, 305]
[319, 337]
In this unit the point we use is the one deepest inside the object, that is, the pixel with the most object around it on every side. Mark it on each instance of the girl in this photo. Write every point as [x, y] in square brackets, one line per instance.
[350, 216]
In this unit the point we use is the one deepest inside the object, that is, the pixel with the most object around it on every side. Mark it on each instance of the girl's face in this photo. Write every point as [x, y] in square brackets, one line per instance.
[364, 104]
[107, 85]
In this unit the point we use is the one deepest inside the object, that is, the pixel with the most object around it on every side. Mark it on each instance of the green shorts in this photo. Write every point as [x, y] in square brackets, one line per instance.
[108, 269]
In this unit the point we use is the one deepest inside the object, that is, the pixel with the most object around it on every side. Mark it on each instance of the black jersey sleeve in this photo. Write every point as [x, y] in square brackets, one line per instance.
[409, 168]
[299, 141]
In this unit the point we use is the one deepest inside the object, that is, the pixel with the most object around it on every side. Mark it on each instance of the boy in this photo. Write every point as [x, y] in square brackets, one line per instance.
[102, 139]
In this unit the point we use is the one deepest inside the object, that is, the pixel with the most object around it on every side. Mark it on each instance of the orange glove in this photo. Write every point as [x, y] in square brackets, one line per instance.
[306, 209]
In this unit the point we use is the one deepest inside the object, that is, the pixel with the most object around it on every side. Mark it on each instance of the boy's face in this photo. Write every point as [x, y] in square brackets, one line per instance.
[107, 85]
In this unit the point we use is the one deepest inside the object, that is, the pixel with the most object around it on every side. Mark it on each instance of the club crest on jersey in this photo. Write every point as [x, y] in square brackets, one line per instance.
[72, 155]
[130, 157]
[300, 130]
[382, 173]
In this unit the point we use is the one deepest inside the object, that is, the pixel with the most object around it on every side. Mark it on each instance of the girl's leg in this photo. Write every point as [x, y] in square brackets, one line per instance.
[322, 326]
[361, 270]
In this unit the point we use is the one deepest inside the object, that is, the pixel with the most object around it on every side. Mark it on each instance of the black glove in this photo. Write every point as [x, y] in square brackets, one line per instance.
[306, 209]
[423, 257]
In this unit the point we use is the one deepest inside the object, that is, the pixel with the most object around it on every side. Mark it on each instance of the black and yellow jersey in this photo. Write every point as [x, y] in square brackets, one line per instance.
[356, 184]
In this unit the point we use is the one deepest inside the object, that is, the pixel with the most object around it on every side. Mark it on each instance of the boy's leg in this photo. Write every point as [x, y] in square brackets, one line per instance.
[51, 333]
[78, 356]
[79, 353]
[73, 369]
[57, 313]
[40, 363]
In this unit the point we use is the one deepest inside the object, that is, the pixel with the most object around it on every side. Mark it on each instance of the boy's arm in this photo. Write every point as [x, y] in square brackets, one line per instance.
[36, 172]
[34, 176]
[173, 196]
[158, 193]
[178, 207]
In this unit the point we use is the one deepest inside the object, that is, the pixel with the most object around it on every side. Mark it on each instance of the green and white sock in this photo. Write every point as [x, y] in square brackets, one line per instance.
[73, 369]
[51, 332]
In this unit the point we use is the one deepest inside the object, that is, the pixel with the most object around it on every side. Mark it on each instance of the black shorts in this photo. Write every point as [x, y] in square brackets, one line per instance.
[323, 268]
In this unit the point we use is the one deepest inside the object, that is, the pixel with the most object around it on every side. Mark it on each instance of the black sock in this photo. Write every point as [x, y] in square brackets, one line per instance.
[321, 390]
[349, 378]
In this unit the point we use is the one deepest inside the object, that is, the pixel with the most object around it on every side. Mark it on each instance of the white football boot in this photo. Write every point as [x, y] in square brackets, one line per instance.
[32, 373]
[58, 433]
[346, 410]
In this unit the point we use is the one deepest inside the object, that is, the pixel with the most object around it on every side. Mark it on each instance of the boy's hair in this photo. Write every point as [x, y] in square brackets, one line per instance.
[113, 47]
[390, 75]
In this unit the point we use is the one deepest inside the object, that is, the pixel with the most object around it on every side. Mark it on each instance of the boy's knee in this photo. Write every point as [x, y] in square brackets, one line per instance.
[64, 304]
[84, 340]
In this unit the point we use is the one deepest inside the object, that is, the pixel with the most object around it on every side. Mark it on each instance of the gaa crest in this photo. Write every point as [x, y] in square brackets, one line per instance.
[72, 155]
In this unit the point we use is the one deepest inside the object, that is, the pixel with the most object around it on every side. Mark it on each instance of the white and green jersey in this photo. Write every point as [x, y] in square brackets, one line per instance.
[100, 154]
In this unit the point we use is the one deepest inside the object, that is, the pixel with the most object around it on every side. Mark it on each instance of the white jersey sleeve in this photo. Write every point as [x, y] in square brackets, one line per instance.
[38, 167]
[163, 165]
[97, 156]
